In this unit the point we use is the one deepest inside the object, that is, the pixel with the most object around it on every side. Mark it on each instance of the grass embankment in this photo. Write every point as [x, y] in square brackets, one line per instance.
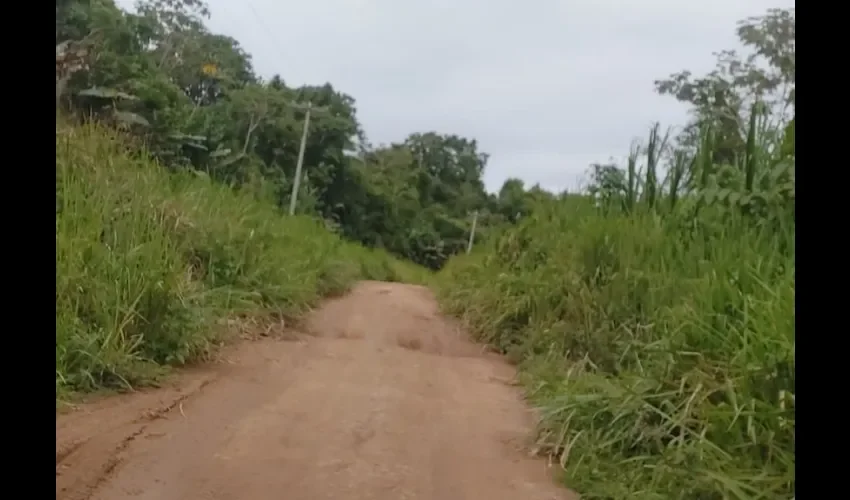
[149, 262]
[660, 350]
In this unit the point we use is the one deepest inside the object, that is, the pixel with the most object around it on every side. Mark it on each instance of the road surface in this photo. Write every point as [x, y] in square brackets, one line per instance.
[381, 399]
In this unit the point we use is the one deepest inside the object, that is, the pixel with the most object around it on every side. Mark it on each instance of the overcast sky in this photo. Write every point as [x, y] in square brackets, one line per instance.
[545, 86]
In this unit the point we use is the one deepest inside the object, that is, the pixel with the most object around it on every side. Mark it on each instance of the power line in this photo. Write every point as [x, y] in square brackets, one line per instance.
[265, 28]
[269, 34]
[308, 108]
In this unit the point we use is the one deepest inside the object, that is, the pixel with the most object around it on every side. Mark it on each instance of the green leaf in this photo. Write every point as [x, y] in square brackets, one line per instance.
[106, 93]
[129, 118]
[185, 137]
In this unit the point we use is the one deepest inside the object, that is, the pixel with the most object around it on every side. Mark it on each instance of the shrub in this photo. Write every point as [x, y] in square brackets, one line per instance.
[659, 349]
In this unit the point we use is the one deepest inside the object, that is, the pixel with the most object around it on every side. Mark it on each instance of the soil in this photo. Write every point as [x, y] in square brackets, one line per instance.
[379, 398]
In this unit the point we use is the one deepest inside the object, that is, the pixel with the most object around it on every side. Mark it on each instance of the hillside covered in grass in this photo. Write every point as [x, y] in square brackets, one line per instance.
[149, 262]
[654, 317]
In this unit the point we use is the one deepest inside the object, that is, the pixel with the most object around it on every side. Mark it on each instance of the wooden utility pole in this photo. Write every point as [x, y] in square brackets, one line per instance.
[296, 184]
[472, 231]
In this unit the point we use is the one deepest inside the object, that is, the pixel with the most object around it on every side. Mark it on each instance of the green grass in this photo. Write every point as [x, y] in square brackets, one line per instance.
[149, 262]
[660, 350]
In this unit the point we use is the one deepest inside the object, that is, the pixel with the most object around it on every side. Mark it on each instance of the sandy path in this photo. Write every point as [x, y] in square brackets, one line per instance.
[386, 401]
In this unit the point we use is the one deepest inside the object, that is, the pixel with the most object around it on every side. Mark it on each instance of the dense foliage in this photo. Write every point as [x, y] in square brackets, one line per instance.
[152, 266]
[654, 317]
[192, 97]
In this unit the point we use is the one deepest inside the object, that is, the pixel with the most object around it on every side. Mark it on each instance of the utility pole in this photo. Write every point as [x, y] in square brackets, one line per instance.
[472, 231]
[294, 197]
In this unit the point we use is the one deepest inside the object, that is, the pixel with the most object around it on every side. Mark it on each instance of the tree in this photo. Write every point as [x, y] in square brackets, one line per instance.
[724, 97]
[738, 149]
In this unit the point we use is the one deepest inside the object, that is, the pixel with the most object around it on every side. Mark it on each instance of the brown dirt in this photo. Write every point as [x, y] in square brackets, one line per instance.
[385, 401]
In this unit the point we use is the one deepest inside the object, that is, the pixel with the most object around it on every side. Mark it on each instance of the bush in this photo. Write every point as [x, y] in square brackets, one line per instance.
[660, 350]
[147, 262]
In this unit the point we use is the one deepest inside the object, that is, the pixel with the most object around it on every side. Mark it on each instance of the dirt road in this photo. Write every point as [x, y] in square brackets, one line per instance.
[385, 400]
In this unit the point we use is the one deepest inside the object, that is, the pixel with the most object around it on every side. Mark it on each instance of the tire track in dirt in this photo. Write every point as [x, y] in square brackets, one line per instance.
[386, 400]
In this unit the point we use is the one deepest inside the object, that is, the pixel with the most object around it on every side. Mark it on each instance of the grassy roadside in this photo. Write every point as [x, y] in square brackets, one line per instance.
[148, 262]
[660, 349]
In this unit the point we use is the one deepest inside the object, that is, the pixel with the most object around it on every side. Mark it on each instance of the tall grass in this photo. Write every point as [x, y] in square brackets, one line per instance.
[148, 262]
[657, 337]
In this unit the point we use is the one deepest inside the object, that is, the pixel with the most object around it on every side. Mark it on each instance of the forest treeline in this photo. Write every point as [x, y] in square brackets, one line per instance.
[193, 99]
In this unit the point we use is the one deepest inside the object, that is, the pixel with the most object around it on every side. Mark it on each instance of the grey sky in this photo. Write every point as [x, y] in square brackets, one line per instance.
[545, 86]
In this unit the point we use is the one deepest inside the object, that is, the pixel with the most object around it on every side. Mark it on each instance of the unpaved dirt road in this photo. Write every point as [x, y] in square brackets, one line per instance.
[385, 401]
